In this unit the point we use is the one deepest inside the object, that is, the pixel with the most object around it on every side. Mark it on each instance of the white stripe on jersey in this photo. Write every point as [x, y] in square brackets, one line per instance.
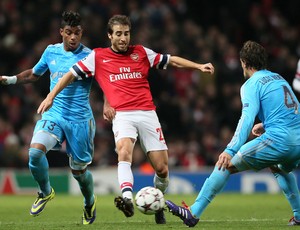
[89, 65]
[151, 55]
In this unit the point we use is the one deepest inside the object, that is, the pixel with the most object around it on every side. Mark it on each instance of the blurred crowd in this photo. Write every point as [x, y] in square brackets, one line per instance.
[198, 112]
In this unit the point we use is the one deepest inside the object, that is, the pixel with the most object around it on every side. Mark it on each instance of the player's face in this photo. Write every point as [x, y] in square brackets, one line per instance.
[71, 37]
[120, 38]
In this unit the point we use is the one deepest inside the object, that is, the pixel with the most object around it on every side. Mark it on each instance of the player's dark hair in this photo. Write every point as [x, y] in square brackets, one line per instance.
[70, 18]
[118, 20]
[254, 55]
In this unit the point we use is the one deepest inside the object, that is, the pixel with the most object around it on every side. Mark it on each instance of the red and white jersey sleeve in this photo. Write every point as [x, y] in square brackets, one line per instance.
[123, 77]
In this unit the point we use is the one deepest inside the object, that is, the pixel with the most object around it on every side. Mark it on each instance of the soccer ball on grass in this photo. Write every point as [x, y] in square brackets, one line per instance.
[149, 200]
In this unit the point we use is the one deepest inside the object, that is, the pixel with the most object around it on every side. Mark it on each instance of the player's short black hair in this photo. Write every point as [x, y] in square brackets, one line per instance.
[254, 55]
[118, 20]
[70, 18]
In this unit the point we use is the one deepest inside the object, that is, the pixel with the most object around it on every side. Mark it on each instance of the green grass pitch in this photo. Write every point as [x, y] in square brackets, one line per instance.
[227, 211]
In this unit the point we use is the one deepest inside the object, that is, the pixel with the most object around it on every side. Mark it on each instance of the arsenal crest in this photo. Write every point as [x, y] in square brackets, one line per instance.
[134, 56]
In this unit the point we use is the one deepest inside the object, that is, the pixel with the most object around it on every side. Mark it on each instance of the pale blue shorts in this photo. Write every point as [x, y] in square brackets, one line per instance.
[263, 152]
[79, 137]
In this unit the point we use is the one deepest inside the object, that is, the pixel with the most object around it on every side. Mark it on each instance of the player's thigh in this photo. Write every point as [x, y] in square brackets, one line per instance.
[292, 159]
[43, 141]
[45, 129]
[257, 154]
[150, 133]
[124, 126]
[80, 141]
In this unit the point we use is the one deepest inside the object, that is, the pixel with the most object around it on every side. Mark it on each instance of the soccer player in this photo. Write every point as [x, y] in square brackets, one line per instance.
[122, 71]
[277, 144]
[70, 119]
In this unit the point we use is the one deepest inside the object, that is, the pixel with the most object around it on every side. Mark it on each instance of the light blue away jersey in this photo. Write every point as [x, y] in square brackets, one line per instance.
[72, 103]
[270, 97]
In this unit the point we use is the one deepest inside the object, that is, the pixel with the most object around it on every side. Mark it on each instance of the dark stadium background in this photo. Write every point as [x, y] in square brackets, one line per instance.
[198, 112]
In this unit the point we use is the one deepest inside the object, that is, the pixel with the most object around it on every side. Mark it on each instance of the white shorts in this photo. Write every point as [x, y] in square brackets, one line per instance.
[140, 124]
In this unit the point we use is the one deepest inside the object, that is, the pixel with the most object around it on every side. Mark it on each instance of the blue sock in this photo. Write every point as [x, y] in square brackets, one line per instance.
[86, 185]
[212, 186]
[288, 184]
[39, 167]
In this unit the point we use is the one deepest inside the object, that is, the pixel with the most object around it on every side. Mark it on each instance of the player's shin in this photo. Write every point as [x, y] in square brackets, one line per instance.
[39, 167]
[125, 178]
[288, 184]
[212, 186]
[85, 181]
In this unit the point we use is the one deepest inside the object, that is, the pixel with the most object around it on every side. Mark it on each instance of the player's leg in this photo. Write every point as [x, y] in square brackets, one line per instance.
[245, 159]
[125, 133]
[159, 162]
[153, 142]
[288, 184]
[80, 148]
[124, 148]
[41, 143]
[287, 180]
[211, 187]
[85, 181]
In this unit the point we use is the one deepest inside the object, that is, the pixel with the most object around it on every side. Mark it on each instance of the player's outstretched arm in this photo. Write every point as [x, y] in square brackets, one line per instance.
[22, 78]
[180, 62]
[62, 83]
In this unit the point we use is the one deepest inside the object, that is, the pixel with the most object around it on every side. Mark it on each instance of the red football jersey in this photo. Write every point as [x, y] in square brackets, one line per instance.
[123, 77]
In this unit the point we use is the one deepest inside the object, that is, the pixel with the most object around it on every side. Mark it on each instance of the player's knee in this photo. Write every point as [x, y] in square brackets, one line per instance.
[124, 155]
[35, 155]
[232, 169]
[162, 170]
[38, 146]
[78, 172]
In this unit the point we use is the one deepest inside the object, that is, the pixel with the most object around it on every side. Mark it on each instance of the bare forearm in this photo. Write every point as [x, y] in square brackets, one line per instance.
[22, 78]
[180, 62]
[26, 77]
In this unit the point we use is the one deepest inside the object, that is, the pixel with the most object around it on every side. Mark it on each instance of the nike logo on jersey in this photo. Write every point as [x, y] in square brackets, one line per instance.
[53, 62]
[104, 61]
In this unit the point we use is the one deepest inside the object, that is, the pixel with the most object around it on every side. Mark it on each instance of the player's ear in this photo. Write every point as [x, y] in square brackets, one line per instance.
[61, 31]
[109, 35]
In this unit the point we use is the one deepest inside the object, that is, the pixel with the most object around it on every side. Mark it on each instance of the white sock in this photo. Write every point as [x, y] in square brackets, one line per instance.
[161, 183]
[125, 178]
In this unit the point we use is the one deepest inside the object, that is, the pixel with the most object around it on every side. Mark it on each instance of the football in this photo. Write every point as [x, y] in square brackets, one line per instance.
[149, 200]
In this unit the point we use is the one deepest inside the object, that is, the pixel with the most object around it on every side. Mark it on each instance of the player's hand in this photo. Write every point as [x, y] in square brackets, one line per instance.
[207, 68]
[258, 129]
[109, 112]
[223, 161]
[45, 105]
[296, 84]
